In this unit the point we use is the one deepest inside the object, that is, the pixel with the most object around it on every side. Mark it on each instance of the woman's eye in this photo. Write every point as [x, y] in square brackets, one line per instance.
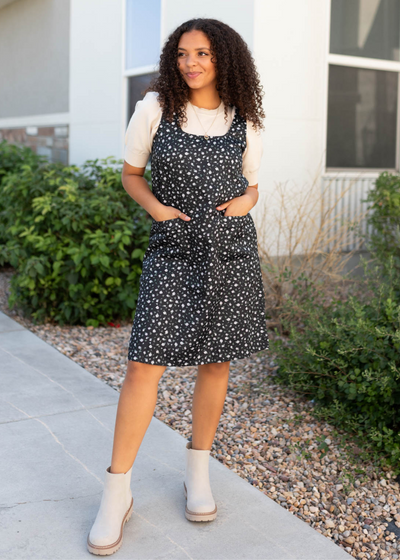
[201, 52]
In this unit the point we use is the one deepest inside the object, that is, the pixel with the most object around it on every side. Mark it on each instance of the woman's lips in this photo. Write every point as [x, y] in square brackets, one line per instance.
[193, 74]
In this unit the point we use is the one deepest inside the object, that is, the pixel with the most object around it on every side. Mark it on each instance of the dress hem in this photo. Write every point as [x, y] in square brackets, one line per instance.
[181, 364]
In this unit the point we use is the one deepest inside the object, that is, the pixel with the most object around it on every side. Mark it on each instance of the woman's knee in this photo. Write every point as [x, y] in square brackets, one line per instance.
[220, 369]
[141, 372]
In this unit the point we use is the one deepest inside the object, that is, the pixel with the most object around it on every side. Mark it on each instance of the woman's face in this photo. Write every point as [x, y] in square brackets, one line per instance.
[194, 60]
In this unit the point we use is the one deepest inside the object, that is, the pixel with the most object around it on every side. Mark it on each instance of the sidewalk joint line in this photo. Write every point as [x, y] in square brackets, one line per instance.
[53, 413]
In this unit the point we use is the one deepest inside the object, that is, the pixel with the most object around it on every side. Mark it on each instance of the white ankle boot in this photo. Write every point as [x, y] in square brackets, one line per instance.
[200, 502]
[116, 507]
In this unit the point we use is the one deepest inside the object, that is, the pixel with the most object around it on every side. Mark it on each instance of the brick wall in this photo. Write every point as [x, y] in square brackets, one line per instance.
[50, 141]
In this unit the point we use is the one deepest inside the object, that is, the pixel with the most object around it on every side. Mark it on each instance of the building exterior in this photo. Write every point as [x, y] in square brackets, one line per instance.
[72, 71]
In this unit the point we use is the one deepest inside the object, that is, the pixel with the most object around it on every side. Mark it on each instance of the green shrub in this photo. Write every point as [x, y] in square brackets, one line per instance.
[76, 240]
[384, 219]
[12, 158]
[346, 357]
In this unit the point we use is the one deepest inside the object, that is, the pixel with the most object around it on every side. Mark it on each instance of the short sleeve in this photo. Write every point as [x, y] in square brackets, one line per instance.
[141, 129]
[252, 154]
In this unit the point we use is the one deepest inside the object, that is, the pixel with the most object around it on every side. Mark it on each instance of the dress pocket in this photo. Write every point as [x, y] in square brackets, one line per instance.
[234, 237]
[227, 219]
[234, 217]
[163, 225]
[168, 239]
[165, 221]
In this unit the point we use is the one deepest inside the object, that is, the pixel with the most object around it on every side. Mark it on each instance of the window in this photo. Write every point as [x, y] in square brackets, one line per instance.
[368, 28]
[363, 85]
[142, 49]
[362, 117]
[143, 31]
[136, 87]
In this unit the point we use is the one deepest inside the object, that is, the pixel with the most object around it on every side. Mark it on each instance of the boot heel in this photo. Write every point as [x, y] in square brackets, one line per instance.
[129, 512]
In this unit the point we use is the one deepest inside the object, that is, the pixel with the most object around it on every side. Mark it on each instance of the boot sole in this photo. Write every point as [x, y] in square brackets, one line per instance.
[111, 548]
[193, 516]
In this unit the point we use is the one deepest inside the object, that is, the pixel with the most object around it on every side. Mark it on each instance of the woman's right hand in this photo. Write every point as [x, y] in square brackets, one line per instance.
[170, 213]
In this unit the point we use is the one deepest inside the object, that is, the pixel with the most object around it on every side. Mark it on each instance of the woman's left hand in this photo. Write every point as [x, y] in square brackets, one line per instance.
[238, 206]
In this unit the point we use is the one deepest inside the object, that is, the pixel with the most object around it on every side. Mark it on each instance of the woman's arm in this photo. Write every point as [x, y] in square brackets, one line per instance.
[252, 191]
[137, 187]
[241, 205]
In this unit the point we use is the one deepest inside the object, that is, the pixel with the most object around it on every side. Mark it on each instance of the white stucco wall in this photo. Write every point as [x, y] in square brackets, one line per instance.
[291, 50]
[95, 87]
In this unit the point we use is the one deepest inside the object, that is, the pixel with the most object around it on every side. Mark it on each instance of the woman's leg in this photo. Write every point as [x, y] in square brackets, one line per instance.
[208, 402]
[136, 406]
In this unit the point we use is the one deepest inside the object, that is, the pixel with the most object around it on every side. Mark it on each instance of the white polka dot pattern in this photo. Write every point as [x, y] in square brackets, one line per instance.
[201, 296]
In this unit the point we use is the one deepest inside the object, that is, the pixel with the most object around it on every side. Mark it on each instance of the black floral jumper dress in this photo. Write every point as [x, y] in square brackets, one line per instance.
[201, 296]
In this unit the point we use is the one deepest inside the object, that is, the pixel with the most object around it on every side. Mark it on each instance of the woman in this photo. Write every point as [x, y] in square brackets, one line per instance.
[201, 298]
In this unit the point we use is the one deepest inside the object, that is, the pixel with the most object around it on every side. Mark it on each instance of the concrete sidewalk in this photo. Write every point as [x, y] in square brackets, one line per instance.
[56, 430]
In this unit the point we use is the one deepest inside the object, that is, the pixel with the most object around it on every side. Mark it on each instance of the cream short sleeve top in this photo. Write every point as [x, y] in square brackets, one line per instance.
[146, 117]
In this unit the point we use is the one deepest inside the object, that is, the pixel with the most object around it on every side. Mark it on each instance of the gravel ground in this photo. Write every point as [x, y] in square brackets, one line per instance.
[267, 435]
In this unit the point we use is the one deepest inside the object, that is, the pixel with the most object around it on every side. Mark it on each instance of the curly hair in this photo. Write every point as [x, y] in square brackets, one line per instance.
[238, 82]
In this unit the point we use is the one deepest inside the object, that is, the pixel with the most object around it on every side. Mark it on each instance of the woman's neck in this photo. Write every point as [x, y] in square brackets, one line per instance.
[205, 100]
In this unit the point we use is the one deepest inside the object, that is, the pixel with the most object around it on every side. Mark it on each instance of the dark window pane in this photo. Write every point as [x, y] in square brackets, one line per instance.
[136, 87]
[368, 28]
[362, 118]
